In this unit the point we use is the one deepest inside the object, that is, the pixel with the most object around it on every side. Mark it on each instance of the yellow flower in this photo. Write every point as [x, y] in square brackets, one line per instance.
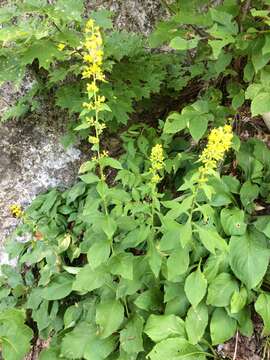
[157, 162]
[61, 46]
[92, 87]
[16, 210]
[219, 141]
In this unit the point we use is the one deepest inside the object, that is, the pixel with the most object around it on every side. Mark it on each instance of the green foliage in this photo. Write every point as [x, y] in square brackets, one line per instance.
[119, 266]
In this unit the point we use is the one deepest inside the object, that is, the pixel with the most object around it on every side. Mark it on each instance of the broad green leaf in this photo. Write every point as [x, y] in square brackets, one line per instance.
[222, 327]
[88, 279]
[15, 336]
[177, 263]
[154, 259]
[233, 221]
[196, 322]
[195, 287]
[175, 122]
[89, 178]
[221, 290]
[249, 257]
[84, 342]
[198, 126]
[179, 43]
[59, 288]
[186, 234]
[248, 193]
[107, 161]
[109, 317]
[149, 300]
[98, 253]
[72, 314]
[176, 349]
[211, 239]
[262, 306]
[109, 226]
[260, 104]
[238, 300]
[215, 264]
[122, 265]
[160, 327]
[131, 336]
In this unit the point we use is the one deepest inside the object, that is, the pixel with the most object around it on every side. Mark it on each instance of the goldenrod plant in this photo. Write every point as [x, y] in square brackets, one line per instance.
[158, 250]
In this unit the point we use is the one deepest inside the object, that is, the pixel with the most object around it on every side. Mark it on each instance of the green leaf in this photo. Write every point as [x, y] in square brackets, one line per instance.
[238, 300]
[249, 257]
[102, 18]
[15, 336]
[222, 327]
[179, 43]
[46, 52]
[131, 340]
[84, 343]
[122, 265]
[175, 122]
[195, 287]
[221, 290]
[154, 259]
[160, 327]
[198, 126]
[262, 306]
[149, 300]
[211, 239]
[50, 354]
[89, 178]
[176, 349]
[233, 221]
[70, 9]
[196, 323]
[88, 279]
[98, 253]
[186, 234]
[59, 288]
[109, 317]
[260, 104]
[107, 161]
[177, 263]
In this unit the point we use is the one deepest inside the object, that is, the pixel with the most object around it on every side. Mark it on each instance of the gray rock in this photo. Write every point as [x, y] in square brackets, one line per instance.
[32, 160]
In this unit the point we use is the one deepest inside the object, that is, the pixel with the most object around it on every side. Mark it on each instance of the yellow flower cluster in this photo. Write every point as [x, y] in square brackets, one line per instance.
[219, 141]
[157, 163]
[93, 55]
[16, 210]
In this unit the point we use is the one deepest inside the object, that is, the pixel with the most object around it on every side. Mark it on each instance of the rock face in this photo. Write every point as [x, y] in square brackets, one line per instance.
[32, 158]
[132, 15]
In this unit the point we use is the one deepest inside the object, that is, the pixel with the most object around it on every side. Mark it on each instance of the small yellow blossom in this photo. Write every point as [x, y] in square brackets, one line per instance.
[219, 141]
[16, 210]
[157, 162]
[104, 153]
[61, 46]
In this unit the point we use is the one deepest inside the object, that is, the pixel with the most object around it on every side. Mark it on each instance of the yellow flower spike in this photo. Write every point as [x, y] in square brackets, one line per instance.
[219, 141]
[157, 163]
